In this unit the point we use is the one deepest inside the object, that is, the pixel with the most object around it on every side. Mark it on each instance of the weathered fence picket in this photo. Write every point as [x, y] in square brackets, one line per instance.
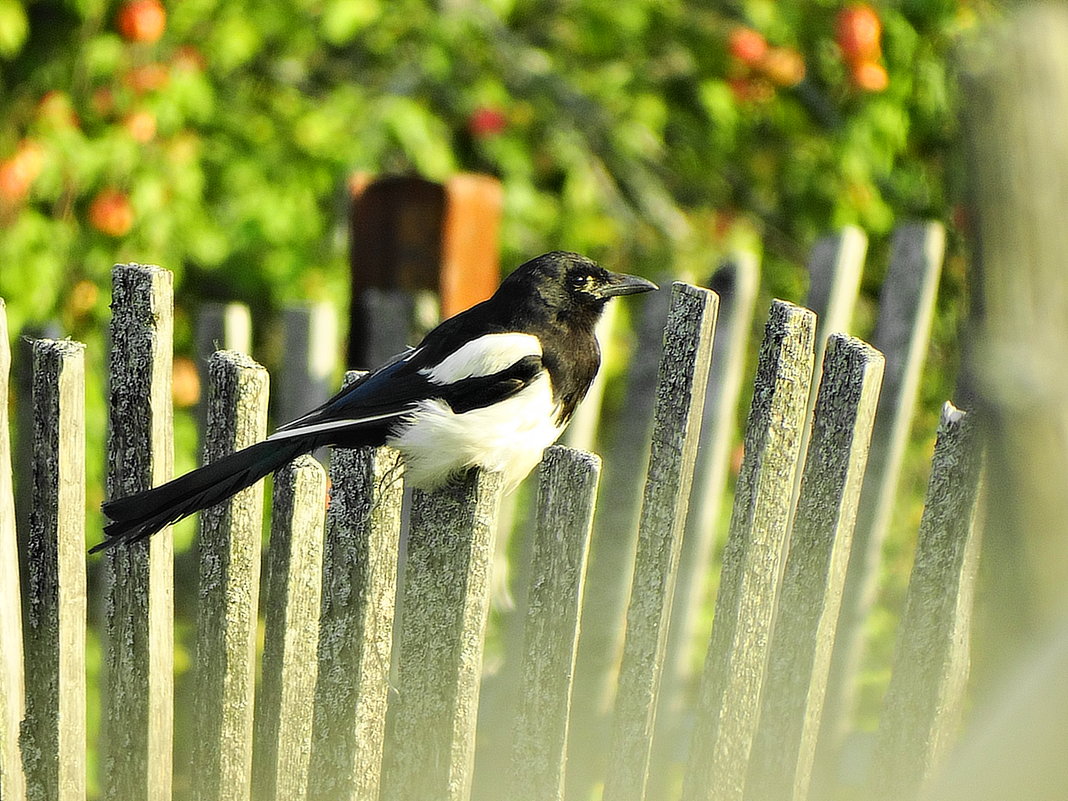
[680, 395]
[902, 331]
[925, 700]
[292, 596]
[728, 697]
[736, 285]
[566, 496]
[12, 687]
[308, 373]
[780, 761]
[430, 748]
[53, 734]
[230, 535]
[138, 705]
[356, 628]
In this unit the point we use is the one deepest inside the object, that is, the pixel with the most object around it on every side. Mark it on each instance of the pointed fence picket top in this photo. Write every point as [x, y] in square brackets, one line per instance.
[728, 697]
[780, 762]
[230, 536]
[430, 749]
[925, 700]
[308, 373]
[680, 395]
[138, 713]
[12, 687]
[53, 731]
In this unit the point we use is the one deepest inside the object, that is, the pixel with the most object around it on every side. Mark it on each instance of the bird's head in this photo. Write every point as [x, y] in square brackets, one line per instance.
[570, 282]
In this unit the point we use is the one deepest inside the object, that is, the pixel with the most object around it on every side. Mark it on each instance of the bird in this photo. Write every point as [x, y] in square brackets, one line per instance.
[490, 387]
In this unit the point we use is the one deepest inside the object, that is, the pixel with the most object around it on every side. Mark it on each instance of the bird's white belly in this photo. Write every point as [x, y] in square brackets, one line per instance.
[508, 437]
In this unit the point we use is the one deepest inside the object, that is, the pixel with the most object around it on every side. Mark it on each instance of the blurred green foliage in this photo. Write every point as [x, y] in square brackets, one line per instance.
[627, 130]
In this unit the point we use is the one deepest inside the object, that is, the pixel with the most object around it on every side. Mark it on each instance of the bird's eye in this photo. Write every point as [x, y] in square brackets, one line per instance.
[580, 280]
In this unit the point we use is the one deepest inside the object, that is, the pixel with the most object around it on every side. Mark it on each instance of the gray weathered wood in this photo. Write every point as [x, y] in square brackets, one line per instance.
[835, 267]
[219, 326]
[729, 692]
[736, 284]
[12, 688]
[902, 332]
[285, 699]
[386, 317]
[312, 353]
[780, 762]
[925, 699]
[612, 550]
[566, 495]
[229, 540]
[446, 599]
[1015, 91]
[680, 397]
[356, 629]
[53, 731]
[138, 705]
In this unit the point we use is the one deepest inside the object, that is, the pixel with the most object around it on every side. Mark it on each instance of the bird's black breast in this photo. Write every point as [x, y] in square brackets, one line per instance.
[572, 362]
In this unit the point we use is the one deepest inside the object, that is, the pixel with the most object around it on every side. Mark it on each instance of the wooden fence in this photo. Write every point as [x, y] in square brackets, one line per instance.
[325, 717]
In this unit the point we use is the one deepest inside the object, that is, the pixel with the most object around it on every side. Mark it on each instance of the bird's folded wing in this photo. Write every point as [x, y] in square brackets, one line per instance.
[399, 387]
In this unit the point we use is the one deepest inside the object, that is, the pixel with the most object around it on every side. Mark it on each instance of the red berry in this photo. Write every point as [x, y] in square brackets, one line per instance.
[111, 213]
[747, 45]
[486, 122]
[18, 172]
[142, 21]
[857, 30]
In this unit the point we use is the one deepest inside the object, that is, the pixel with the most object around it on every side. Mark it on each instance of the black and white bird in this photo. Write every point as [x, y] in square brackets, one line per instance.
[491, 387]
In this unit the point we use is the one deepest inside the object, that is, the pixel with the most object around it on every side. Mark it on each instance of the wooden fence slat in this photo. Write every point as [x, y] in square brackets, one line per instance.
[229, 542]
[53, 732]
[566, 496]
[138, 705]
[447, 582]
[611, 558]
[356, 624]
[681, 382]
[312, 354]
[12, 687]
[925, 699]
[729, 692]
[780, 762]
[293, 590]
[736, 284]
[902, 331]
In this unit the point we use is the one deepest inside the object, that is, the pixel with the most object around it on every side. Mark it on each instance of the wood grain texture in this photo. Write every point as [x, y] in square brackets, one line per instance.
[430, 749]
[356, 629]
[729, 691]
[53, 732]
[780, 762]
[681, 381]
[567, 491]
[229, 540]
[138, 714]
[285, 698]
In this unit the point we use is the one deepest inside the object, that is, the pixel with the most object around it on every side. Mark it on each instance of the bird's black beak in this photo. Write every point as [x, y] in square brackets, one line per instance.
[623, 284]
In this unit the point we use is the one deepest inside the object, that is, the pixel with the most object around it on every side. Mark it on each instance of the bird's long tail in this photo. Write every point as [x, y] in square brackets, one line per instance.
[144, 513]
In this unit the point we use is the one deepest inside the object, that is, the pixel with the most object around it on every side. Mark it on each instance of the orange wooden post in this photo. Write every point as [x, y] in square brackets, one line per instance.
[411, 238]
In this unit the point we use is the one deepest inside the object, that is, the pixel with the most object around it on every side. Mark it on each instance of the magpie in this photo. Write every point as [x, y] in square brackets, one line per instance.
[491, 387]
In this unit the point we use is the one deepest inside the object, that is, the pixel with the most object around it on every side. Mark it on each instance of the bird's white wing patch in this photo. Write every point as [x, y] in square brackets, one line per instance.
[333, 425]
[486, 355]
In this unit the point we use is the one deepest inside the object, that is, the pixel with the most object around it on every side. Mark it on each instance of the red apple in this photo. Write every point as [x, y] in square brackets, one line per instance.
[747, 46]
[110, 212]
[857, 30]
[485, 122]
[142, 21]
[870, 76]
